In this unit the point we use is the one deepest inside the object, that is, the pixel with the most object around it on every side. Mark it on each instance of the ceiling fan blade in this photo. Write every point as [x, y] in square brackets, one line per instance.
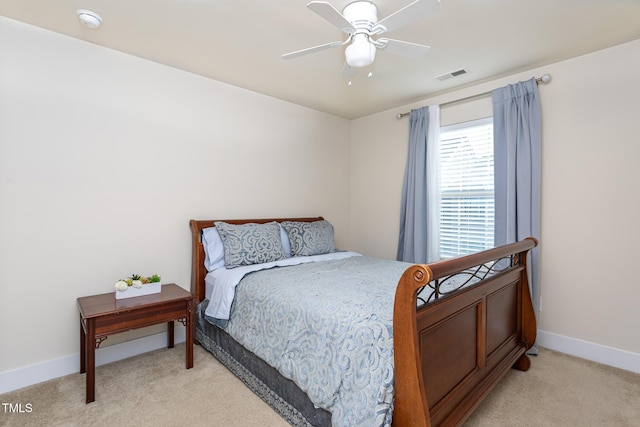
[331, 14]
[412, 12]
[309, 50]
[348, 70]
[400, 47]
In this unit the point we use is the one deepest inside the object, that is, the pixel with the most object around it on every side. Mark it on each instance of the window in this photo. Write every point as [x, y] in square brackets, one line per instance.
[466, 188]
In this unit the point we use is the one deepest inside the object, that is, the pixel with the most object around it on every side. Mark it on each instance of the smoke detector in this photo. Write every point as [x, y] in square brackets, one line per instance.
[88, 18]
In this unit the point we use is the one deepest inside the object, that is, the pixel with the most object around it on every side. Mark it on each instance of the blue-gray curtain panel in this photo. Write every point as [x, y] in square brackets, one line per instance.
[412, 245]
[517, 139]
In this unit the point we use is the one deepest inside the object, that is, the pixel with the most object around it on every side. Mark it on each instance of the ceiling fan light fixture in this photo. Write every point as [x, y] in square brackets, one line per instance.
[359, 20]
[360, 53]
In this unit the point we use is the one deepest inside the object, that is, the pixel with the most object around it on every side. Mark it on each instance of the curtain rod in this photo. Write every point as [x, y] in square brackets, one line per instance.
[546, 78]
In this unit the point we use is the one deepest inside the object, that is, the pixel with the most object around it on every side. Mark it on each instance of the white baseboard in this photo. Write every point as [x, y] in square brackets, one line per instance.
[55, 368]
[23, 377]
[590, 351]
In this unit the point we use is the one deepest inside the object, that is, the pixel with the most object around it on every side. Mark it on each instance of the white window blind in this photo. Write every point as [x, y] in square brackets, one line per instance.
[466, 188]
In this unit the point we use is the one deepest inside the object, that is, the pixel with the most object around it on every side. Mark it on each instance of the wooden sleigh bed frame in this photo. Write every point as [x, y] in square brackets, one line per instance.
[450, 352]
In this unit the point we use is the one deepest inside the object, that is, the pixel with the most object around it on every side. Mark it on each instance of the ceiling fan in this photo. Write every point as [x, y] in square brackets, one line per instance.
[360, 21]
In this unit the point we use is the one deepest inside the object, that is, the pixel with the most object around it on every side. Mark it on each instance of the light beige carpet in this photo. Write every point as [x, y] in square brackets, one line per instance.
[155, 389]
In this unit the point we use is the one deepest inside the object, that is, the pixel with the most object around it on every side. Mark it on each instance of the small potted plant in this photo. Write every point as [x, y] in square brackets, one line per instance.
[137, 285]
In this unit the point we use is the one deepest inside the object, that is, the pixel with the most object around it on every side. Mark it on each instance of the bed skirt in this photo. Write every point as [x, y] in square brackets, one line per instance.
[280, 393]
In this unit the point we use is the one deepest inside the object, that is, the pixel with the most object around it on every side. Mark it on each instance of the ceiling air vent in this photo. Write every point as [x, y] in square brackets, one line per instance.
[456, 73]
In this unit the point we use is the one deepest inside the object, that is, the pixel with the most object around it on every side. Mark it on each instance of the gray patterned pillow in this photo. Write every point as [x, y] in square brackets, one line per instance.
[310, 238]
[247, 244]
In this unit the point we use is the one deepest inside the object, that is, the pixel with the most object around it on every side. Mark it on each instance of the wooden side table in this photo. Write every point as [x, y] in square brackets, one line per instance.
[103, 315]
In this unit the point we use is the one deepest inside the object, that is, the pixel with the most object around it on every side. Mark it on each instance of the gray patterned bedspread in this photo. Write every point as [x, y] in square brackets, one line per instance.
[328, 327]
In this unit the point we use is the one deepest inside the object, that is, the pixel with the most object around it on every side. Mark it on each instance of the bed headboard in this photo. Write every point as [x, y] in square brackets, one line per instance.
[198, 270]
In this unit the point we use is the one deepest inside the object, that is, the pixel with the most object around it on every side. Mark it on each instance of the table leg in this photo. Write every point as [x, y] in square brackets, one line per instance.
[170, 330]
[90, 341]
[189, 339]
[83, 343]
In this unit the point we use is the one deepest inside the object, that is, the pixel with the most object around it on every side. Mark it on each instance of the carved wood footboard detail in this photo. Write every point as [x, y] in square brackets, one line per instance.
[451, 352]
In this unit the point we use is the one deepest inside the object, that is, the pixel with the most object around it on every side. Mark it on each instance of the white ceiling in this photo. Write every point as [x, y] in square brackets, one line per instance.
[240, 42]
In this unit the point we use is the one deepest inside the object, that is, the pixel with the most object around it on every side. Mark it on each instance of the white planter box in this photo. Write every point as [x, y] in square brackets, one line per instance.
[147, 289]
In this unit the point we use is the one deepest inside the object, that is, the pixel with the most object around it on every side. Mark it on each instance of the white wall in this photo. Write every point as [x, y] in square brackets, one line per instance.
[590, 195]
[105, 157]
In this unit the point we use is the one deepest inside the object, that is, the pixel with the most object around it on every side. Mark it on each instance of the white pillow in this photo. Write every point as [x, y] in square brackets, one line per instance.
[286, 244]
[213, 249]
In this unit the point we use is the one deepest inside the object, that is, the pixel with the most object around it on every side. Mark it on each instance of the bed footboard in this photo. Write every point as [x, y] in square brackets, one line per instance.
[452, 350]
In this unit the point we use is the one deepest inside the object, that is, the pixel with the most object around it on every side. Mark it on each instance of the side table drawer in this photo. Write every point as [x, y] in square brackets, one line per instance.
[140, 317]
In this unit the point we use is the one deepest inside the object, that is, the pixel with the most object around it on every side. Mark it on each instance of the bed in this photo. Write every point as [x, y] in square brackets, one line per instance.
[449, 331]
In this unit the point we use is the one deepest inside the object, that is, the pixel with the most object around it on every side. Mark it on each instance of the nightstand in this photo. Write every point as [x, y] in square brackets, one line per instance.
[103, 315]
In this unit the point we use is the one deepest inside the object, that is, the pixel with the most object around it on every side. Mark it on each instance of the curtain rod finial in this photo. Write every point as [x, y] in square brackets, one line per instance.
[546, 78]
